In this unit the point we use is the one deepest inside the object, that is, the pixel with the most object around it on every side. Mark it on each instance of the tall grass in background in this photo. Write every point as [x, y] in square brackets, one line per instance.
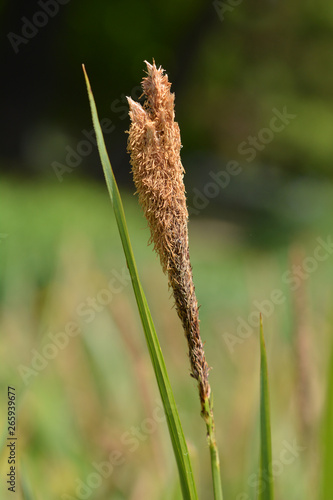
[154, 119]
[327, 437]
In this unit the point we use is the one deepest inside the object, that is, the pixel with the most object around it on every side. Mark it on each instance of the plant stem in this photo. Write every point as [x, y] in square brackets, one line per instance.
[214, 454]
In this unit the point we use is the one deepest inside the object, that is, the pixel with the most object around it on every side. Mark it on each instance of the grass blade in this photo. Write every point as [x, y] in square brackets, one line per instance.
[265, 487]
[327, 437]
[26, 492]
[174, 425]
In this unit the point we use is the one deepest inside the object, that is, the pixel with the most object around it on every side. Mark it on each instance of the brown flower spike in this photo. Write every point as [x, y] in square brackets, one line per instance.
[154, 145]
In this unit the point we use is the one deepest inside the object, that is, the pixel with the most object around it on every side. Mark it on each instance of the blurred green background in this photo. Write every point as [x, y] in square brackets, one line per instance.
[254, 101]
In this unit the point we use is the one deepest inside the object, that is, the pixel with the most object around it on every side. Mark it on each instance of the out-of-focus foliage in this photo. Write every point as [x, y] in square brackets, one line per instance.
[96, 395]
[230, 66]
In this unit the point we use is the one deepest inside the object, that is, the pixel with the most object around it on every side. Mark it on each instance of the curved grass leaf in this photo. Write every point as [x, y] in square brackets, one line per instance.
[265, 486]
[174, 425]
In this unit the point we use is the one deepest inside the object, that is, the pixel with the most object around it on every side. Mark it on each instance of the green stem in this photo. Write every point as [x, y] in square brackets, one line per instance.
[214, 454]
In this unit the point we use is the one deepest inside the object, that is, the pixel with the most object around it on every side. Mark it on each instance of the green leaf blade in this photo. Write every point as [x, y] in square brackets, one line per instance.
[26, 491]
[327, 437]
[265, 489]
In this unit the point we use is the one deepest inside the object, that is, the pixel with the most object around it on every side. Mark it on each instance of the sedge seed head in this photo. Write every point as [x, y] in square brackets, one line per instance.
[154, 145]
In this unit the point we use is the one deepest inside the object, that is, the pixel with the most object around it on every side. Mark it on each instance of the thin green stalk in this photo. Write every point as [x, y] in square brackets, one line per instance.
[214, 453]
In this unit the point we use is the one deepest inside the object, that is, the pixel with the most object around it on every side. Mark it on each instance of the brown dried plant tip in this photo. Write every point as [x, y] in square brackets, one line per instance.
[154, 145]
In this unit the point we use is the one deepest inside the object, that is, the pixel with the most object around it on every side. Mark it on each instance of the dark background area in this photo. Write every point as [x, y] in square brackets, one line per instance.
[44, 92]
[230, 66]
